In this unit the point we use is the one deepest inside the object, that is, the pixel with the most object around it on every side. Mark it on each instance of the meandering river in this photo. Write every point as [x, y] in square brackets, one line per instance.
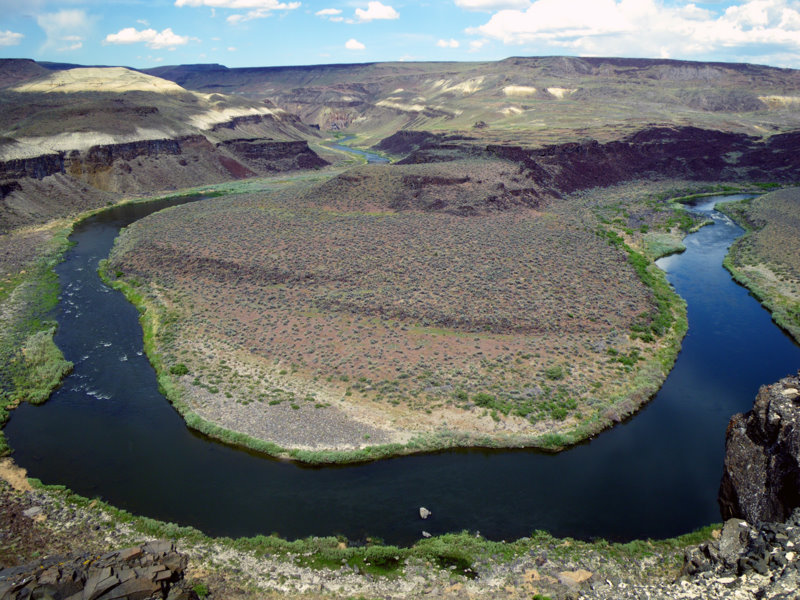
[109, 433]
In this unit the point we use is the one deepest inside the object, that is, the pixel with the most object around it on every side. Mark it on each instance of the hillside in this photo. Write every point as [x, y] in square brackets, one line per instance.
[84, 132]
[523, 100]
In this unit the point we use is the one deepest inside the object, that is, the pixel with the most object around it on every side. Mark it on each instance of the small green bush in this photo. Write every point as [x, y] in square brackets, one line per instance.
[179, 369]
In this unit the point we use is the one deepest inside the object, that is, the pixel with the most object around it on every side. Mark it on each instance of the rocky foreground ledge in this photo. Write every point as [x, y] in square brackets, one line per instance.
[761, 480]
[151, 570]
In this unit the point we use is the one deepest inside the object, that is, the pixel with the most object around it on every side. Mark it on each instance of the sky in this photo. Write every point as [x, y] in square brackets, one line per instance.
[242, 33]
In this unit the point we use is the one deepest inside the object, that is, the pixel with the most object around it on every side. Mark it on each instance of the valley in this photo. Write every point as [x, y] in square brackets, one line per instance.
[493, 287]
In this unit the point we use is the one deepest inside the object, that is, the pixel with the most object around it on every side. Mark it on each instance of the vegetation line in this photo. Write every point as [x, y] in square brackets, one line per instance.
[31, 365]
[784, 309]
[460, 553]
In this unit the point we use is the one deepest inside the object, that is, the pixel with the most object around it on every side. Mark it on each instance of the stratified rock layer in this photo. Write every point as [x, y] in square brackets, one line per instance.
[761, 481]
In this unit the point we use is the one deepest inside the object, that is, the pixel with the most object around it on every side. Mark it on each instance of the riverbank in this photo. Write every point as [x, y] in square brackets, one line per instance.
[40, 521]
[766, 260]
[42, 525]
[568, 399]
[637, 377]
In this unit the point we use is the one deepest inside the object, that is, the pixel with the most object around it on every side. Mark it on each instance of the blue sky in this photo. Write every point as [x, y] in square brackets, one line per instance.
[238, 33]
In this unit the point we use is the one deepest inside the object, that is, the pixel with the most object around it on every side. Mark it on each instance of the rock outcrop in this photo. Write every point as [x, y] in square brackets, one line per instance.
[56, 184]
[676, 152]
[151, 570]
[269, 156]
[761, 480]
[744, 561]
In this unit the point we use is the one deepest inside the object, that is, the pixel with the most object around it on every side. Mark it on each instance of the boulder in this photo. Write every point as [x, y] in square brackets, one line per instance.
[761, 478]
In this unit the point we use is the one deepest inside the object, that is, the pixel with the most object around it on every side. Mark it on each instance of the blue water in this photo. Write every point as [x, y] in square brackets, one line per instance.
[108, 432]
[371, 157]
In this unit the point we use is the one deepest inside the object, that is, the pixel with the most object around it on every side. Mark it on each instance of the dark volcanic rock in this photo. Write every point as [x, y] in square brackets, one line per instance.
[408, 140]
[152, 570]
[675, 152]
[268, 156]
[761, 480]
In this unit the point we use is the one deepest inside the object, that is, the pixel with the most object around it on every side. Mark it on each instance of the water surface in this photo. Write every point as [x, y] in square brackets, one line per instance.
[108, 432]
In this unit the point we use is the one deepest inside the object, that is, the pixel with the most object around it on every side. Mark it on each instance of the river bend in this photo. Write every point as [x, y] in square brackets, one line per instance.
[109, 433]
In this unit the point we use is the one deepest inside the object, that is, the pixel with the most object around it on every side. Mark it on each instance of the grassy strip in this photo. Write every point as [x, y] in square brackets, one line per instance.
[461, 553]
[31, 365]
[785, 312]
[666, 325]
[167, 383]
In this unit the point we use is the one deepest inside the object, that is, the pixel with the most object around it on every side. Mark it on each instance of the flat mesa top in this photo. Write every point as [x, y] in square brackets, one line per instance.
[96, 79]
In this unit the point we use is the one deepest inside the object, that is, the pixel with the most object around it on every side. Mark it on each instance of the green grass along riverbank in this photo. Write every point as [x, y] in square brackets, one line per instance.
[664, 329]
[38, 365]
[464, 549]
[461, 553]
[773, 282]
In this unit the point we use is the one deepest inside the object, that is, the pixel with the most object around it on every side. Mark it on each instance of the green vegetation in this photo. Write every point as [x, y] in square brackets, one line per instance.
[31, 365]
[460, 553]
[766, 259]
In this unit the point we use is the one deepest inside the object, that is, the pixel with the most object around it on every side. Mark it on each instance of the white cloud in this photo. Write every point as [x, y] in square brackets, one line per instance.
[650, 28]
[448, 43]
[241, 4]
[70, 26]
[232, 48]
[154, 39]
[10, 38]
[256, 9]
[477, 44]
[354, 44]
[328, 12]
[375, 11]
[492, 5]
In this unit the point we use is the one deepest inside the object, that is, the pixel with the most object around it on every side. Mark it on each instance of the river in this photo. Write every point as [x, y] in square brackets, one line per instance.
[109, 433]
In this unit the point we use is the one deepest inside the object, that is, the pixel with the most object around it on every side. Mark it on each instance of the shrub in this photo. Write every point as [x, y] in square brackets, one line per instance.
[554, 372]
[179, 369]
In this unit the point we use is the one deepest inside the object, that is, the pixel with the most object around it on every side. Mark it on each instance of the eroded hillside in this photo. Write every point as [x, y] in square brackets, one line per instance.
[79, 138]
[518, 100]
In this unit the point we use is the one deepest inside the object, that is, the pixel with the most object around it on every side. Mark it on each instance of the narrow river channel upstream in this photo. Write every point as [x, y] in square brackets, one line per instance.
[109, 433]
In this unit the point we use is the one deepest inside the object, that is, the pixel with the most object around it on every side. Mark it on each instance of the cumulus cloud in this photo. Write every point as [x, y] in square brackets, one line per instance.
[65, 29]
[448, 43]
[256, 9]
[492, 5]
[615, 27]
[241, 4]
[354, 44]
[376, 11]
[154, 39]
[10, 38]
[332, 14]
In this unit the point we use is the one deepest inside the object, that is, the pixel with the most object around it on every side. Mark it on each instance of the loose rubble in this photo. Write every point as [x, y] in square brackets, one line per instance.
[150, 570]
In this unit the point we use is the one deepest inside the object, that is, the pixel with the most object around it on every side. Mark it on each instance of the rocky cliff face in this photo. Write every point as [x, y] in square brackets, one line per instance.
[761, 480]
[53, 185]
[675, 152]
[268, 156]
